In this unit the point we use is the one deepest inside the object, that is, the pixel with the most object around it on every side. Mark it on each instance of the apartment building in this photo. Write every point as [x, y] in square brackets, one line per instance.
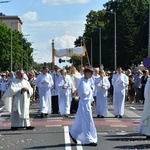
[13, 22]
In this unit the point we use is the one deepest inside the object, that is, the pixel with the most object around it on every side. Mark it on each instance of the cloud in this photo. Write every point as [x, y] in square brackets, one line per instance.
[56, 28]
[30, 16]
[65, 41]
[58, 2]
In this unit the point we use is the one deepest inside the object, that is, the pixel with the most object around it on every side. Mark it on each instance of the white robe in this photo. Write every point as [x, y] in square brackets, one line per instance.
[119, 82]
[18, 102]
[83, 128]
[144, 127]
[64, 94]
[55, 75]
[44, 84]
[102, 92]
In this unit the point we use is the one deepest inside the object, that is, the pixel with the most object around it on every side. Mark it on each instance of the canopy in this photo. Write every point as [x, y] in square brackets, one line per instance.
[69, 52]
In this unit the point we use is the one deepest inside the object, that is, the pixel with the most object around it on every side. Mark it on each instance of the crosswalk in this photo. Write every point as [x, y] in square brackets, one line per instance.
[131, 117]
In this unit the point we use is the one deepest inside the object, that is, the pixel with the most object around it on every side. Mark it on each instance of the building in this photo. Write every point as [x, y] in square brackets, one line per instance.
[13, 22]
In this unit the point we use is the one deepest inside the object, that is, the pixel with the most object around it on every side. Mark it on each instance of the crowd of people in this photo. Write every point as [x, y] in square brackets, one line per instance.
[60, 91]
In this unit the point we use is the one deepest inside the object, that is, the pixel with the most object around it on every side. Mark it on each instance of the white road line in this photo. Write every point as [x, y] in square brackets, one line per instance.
[130, 113]
[119, 126]
[79, 146]
[109, 114]
[53, 125]
[67, 138]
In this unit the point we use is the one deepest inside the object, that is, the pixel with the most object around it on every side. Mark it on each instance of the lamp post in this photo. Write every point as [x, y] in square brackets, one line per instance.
[149, 32]
[34, 50]
[115, 46]
[91, 50]
[28, 59]
[11, 59]
[100, 47]
[4, 1]
[22, 51]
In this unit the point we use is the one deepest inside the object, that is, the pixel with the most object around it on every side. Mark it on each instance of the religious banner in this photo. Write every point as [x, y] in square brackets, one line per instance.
[69, 52]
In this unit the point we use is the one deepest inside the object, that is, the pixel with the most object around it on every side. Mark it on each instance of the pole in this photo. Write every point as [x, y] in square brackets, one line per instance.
[100, 51]
[11, 53]
[149, 34]
[91, 54]
[53, 59]
[115, 41]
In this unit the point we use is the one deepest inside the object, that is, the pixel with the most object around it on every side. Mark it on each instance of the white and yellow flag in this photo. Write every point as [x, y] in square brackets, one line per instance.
[69, 52]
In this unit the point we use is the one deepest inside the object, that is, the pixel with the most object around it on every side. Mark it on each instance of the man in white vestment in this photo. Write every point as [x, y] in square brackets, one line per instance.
[44, 82]
[75, 77]
[54, 91]
[119, 81]
[83, 128]
[144, 127]
[102, 85]
[17, 101]
[65, 86]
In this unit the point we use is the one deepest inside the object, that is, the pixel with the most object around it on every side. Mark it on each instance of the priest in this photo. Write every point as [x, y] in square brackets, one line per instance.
[17, 101]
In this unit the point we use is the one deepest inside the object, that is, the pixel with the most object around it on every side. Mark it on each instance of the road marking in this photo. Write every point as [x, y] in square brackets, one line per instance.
[132, 108]
[102, 133]
[122, 126]
[67, 138]
[131, 114]
[53, 125]
[79, 146]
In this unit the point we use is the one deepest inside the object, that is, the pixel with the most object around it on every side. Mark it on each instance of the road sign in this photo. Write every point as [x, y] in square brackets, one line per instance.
[146, 62]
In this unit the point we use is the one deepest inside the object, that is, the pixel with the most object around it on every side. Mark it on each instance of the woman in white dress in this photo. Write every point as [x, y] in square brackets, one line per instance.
[102, 85]
[64, 85]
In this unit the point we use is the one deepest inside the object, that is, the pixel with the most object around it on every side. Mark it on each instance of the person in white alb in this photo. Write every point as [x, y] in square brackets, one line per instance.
[44, 82]
[17, 101]
[83, 128]
[120, 82]
[102, 85]
[144, 127]
[64, 85]
[54, 91]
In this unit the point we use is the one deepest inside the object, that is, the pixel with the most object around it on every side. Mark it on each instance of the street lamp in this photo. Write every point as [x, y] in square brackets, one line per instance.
[91, 49]
[115, 51]
[100, 47]
[27, 59]
[11, 59]
[149, 32]
[22, 51]
[36, 52]
[4, 1]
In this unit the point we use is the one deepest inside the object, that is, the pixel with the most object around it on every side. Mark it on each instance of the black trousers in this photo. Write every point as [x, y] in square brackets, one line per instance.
[55, 107]
[74, 106]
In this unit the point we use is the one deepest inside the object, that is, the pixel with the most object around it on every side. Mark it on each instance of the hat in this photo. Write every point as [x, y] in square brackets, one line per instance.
[88, 69]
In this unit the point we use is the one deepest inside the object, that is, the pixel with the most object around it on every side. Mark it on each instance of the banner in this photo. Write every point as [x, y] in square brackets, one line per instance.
[69, 52]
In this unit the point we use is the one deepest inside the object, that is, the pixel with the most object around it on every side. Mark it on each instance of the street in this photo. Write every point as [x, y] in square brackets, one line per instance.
[53, 132]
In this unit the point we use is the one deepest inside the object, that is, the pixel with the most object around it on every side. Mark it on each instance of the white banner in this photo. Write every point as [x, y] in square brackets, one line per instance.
[69, 52]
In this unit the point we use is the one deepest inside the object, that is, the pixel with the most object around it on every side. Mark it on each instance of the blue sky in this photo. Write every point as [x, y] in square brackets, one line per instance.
[44, 20]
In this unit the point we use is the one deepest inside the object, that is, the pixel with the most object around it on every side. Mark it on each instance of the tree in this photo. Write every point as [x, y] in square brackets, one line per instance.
[19, 44]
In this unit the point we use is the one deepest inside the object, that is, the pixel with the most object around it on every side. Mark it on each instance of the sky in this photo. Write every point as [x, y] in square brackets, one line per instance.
[44, 20]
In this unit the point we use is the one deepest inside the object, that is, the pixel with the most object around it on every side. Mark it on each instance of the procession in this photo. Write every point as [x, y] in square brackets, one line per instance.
[74, 75]
[83, 92]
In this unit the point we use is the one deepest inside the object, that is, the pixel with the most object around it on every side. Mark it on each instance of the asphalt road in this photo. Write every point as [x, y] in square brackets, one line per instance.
[52, 133]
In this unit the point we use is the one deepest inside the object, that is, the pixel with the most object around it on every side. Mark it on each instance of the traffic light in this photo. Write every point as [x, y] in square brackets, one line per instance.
[59, 60]
[71, 61]
[44, 63]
